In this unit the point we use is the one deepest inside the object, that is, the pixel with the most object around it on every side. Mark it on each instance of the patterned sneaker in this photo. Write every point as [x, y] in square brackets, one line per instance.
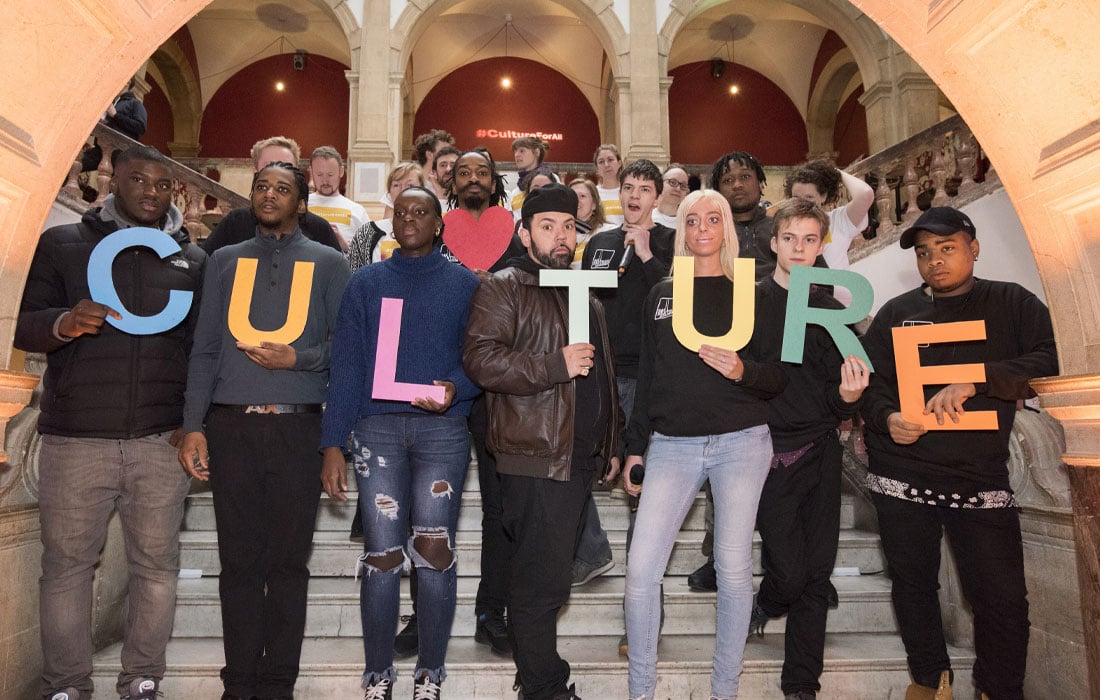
[382, 689]
[142, 689]
[426, 689]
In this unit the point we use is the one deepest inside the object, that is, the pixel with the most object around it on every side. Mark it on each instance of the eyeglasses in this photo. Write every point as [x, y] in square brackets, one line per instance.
[676, 184]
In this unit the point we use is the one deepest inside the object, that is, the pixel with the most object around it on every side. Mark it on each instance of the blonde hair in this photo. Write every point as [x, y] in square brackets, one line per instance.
[730, 248]
[401, 170]
[281, 142]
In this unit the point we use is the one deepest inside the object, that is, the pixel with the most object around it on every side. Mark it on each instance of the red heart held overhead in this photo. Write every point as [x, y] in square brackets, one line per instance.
[478, 243]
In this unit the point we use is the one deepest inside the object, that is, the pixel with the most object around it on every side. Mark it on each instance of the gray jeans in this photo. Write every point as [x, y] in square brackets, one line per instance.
[82, 481]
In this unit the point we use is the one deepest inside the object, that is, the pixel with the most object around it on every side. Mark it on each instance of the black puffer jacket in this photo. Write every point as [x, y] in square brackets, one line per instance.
[110, 385]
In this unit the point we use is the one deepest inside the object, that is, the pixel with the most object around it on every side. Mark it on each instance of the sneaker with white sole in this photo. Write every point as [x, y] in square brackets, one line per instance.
[142, 689]
[381, 689]
[426, 689]
[69, 694]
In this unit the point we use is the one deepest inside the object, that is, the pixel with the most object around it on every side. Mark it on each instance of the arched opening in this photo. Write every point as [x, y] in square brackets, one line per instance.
[473, 105]
[311, 107]
[707, 120]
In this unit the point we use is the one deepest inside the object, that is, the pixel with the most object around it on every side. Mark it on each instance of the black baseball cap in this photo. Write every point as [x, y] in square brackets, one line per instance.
[941, 220]
[554, 197]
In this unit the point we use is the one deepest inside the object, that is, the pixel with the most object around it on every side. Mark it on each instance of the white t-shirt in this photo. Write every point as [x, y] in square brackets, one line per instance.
[347, 216]
[612, 207]
[668, 220]
[837, 241]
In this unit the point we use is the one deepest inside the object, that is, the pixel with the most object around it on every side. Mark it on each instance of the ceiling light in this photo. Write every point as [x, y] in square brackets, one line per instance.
[506, 82]
[734, 89]
[280, 86]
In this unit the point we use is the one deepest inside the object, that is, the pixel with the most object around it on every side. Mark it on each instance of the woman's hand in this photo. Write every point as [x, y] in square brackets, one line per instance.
[725, 362]
[429, 404]
[334, 473]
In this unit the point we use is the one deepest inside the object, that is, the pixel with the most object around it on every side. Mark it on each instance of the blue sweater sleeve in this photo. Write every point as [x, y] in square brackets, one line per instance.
[347, 386]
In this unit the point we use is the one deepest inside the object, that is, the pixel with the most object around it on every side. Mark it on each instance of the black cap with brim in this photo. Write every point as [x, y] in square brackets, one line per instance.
[554, 197]
[942, 220]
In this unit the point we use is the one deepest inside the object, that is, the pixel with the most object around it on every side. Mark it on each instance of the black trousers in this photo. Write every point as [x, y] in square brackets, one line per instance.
[265, 472]
[492, 590]
[988, 551]
[799, 523]
[543, 519]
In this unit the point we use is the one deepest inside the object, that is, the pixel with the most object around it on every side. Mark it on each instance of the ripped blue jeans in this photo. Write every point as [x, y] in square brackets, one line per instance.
[410, 469]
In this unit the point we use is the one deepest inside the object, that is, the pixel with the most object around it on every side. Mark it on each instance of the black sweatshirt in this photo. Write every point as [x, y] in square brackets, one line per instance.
[810, 406]
[1019, 346]
[623, 304]
[679, 394]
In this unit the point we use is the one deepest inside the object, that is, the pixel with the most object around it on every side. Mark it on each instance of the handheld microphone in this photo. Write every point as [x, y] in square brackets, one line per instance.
[637, 474]
[628, 255]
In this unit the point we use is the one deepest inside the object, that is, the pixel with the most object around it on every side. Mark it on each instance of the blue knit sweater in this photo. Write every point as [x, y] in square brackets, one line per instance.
[436, 296]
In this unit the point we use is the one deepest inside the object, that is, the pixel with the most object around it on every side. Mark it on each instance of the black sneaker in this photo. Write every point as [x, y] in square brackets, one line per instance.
[492, 630]
[801, 695]
[382, 689]
[704, 578]
[407, 641]
[68, 694]
[757, 619]
[142, 689]
[426, 689]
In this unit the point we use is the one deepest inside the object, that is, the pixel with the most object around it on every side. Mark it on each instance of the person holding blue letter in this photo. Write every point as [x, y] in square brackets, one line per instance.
[111, 402]
[698, 417]
[410, 458]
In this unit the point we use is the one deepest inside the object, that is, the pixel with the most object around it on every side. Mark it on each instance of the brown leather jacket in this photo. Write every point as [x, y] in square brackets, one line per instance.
[512, 350]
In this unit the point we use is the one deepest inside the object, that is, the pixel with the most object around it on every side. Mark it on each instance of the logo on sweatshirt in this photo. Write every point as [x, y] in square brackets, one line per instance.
[601, 259]
[180, 262]
[664, 309]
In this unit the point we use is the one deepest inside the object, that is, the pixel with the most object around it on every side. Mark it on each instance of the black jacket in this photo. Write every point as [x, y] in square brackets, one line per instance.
[110, 385]
[130, 116]
[240, 225]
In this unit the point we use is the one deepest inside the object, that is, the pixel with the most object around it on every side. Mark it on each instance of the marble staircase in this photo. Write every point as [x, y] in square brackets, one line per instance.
[864, 658]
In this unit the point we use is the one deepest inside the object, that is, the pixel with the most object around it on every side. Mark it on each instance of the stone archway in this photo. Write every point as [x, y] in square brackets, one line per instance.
[828, 95]
[181, 85]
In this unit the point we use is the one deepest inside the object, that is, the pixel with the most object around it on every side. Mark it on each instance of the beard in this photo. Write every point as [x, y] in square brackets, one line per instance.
[558, 261]
[472, 200]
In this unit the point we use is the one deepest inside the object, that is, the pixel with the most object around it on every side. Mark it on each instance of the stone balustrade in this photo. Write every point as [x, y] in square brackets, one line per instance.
[202, 200]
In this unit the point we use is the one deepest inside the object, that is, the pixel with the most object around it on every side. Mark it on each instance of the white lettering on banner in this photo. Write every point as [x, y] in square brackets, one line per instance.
[512, 134]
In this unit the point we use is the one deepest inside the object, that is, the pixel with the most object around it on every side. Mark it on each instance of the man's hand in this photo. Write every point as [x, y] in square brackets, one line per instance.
[194, 456]
[725, 362]
[429, 404]
[578, 358]
[854, 377]
[176, 438]
[902, 431]
[86, 318]
[334, 474]
[270, 355]
[949, 400]
[612, 472]
[632, 489]
[638, 237]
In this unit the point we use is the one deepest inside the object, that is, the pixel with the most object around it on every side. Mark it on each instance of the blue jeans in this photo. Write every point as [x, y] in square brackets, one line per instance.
[410, 469]
[83, 480]
[736, 465]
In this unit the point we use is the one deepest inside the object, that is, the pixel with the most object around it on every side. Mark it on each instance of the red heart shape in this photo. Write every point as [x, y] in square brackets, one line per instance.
[478, 243]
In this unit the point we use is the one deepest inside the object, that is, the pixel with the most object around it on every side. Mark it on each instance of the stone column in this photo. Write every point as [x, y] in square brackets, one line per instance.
[904, 102]
[1075, 401]
[370, 126]
[643, 113]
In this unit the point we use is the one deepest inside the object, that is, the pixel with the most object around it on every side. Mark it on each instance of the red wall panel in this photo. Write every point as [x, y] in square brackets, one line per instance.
[471, 104]
[161, 129]
[312, 109]
[705, 120]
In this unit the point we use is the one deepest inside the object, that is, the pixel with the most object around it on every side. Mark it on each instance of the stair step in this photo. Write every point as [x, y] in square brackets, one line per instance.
[593, 609]
[335, 516]
[335, 555]
[857, 667]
